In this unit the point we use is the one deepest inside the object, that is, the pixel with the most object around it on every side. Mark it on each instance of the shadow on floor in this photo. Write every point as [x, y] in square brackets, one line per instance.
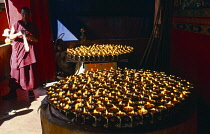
[18, 106]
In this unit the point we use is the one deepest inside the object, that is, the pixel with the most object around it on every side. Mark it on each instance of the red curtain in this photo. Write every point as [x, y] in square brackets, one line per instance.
[44, 48]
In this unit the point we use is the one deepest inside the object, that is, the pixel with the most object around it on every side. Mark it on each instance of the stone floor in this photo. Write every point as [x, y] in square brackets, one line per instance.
[20, 115]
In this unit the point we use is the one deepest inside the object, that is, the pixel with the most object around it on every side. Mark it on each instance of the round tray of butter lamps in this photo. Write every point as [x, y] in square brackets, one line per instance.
[129, 101]
[98, 53]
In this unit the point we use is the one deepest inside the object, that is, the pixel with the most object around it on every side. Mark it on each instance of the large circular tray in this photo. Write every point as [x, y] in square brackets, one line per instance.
[122, 99]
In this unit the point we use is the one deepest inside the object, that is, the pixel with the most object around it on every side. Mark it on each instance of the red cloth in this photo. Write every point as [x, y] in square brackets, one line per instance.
[45, 50]
[22, 62]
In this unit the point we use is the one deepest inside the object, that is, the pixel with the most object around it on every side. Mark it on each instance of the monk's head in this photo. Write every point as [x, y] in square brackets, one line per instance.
[25, 13]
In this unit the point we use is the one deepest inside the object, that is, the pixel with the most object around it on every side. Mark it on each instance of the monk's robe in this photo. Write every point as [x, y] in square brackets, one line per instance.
[23, 63]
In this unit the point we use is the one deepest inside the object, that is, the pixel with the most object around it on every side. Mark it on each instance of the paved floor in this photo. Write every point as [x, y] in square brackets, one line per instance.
[20, 115]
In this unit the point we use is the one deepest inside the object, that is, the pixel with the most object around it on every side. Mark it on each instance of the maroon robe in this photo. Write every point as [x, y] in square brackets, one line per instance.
[23, 63]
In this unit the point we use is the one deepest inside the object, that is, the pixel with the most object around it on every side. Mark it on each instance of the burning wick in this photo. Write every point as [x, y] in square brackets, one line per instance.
[142, 111]
[128, 108]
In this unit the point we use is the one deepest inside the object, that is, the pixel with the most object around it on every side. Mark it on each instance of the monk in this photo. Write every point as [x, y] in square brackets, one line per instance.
[24, 36]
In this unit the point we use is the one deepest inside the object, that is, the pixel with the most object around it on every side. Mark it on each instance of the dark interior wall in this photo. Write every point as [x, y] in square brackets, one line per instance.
[190, 57]
[190, 48]
[104, 19]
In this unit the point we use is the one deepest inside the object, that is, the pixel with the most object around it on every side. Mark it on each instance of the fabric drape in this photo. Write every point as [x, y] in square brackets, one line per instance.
[45, 51]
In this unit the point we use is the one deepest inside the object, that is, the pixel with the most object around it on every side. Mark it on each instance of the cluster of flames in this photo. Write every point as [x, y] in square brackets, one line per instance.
[118, 93]
[97, 51]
